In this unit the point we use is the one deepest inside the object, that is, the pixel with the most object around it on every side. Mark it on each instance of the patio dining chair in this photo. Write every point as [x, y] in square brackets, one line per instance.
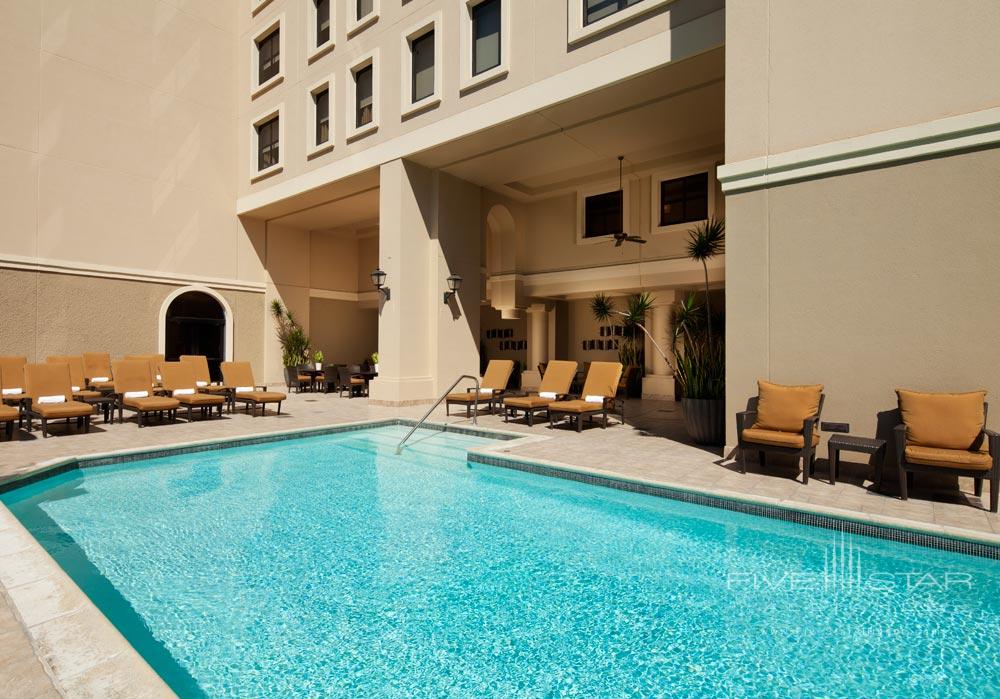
[349, 381]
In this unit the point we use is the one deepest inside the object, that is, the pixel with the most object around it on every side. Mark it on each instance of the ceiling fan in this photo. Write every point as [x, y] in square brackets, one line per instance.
[622, 236]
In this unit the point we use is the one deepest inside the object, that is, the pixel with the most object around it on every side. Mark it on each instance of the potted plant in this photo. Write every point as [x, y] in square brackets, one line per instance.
[294, 342]
[318, 357]
[374, 359]
[696, 355]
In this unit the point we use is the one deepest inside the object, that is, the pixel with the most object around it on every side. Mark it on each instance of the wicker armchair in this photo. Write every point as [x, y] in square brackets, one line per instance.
[782, 419]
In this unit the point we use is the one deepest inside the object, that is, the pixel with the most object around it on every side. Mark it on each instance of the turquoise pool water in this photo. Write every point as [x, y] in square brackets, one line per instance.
[329, 566]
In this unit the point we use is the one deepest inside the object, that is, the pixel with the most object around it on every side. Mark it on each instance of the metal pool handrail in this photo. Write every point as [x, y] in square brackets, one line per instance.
[475, 409]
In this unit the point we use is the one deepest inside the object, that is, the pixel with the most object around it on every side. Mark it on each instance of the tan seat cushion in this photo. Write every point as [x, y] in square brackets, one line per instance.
[262, 396]
[949, 458]
[785, 408]
[575, 406]
[942, 420]
[102, 385]
[7, 413]
[468, 397]
[777, 438]
[55, 411]
[84, 395]
[356, 381]
[212, 389]
[526, 402]
[197, 399]
[304, 377]
[151, 403]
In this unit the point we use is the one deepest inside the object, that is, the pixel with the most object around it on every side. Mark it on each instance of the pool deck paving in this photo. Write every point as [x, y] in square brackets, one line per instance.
[53, 641]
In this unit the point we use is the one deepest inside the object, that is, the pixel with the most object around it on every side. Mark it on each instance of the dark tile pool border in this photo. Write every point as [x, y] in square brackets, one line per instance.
[943, 542]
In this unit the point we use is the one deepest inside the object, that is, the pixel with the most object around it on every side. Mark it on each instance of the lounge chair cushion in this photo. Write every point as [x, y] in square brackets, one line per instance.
[198, 399]
[84, 395]
[151, 403]
[777, 438]
[357, 381]
[261, 396]
[8, 413]
[55, 411]
[527, 402]
[497, 374]
[950, 458]
[575, 406]
[784, 408]
[303, 377]
[942, 420]
[470, 397]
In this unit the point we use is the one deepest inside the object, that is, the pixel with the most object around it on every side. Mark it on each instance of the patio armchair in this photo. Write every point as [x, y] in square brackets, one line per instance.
[554, 387]
[354, 385]
[239, 375]
[491, 389]
[947, 433]
[331, 377]
[50, 397]
[781, 419]
[598, 396]
[134, 388]
[296, 380]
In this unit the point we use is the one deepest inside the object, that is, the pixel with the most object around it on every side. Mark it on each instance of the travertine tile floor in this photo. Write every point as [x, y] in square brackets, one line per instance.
[651, 445]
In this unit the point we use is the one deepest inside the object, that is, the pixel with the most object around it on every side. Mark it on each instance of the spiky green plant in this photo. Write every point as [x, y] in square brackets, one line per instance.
[295, 344]
[705, 241]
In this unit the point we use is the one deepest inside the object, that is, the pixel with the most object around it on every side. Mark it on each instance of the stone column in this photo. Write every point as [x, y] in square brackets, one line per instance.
[659, 382]
[538, 345]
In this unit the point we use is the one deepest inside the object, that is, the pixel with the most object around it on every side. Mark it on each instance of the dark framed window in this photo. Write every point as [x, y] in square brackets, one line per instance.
[365, 97]
[602, 214]
[485, 36]
[684, 199]
[268, 58]
[594, 10]
[322, 99]
[267, 143]
[422, 49]
[322, 21]
[364, 8]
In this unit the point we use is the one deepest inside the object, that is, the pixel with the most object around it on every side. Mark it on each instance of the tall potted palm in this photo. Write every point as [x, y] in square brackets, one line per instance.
[295, 344]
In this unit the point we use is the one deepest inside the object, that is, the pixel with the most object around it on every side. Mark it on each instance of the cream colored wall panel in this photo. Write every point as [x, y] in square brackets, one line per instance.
[21, 20]
[342, 330]
[333, 261]
[19, 201]
[19, 97]
[250, 249]
[287, 257]
[219, 13]
[204, 58]
[746, 79]
[367, 262]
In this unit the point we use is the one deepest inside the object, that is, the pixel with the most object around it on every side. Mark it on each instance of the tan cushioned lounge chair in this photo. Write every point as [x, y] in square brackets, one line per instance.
[947, 432]
[601, 383]
[76, 377]
[556, 380]
[239, 375]
[493, 384]
[179, 382]
[97, 371]
[49, 388]
[202, 376]
[134, 376]
[784, 419]
[9, 413]
[12, 378]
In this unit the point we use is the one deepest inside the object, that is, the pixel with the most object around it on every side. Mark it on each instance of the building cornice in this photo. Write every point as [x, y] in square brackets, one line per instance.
[919, 141]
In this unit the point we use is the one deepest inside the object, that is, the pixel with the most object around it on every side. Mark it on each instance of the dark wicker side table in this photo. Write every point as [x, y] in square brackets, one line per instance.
[862, 445]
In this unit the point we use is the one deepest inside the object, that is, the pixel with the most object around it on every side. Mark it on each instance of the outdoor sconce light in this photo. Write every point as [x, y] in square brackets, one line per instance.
[378, 279]
[454, 286]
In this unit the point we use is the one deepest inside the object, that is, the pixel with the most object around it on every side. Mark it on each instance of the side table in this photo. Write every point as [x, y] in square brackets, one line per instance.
[862, 445]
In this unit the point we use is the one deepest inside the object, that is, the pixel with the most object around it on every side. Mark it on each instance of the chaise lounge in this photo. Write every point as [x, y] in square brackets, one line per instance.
[555, 385]
[134, 387]
[491, 388]
[598, 396]
[946, 433]
[178, 380]
[50, 392]
[97, 371]
[239, 375]
[782, 419]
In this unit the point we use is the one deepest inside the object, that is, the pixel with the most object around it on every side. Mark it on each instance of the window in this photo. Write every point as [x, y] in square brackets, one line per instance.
[364, 96]
[486, 36]
[422, 49]
[268, 56]
[322, 101]
[365, 8]
[684, 199]
[322, 21]
[267, 144]
[602, 214]
[594, 10]
[361, 14]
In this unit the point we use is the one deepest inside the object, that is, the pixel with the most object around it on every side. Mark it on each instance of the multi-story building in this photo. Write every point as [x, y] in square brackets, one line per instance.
[174, 165]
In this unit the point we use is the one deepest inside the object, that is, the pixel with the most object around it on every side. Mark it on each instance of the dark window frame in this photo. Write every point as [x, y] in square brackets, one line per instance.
[599, 214]
[615, 6]
[268, 143]
[321, 100]
[359, 110]
[689, 197]
[424, 40]
[476, 17]
[269, 56]
[323, 25]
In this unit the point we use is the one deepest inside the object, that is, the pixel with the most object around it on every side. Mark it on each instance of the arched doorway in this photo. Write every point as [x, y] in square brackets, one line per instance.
[195, 322]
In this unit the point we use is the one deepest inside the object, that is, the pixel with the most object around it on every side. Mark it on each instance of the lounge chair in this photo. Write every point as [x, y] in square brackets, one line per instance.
[50, 392]
[134, 387]
[555, 385]
[179, 382]
[9, 413]
[946, 433]
[354, 385]
[491, 388]
[239, 375]
[97, 371]
[75, 364]
[782, 419]
[598, 396]
[12, 376]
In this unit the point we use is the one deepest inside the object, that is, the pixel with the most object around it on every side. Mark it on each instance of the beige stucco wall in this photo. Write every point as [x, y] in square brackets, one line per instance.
[345, 332]
[866, 282]
[70, 314]
[805, 72]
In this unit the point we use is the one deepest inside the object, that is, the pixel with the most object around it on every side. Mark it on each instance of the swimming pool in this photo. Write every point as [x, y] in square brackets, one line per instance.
[328, 565]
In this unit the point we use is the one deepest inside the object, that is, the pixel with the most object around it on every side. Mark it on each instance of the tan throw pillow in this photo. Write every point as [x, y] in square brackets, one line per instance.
[785, 408]
[942, 420]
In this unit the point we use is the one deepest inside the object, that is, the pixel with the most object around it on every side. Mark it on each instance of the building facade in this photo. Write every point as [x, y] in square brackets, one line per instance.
[260, 150]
